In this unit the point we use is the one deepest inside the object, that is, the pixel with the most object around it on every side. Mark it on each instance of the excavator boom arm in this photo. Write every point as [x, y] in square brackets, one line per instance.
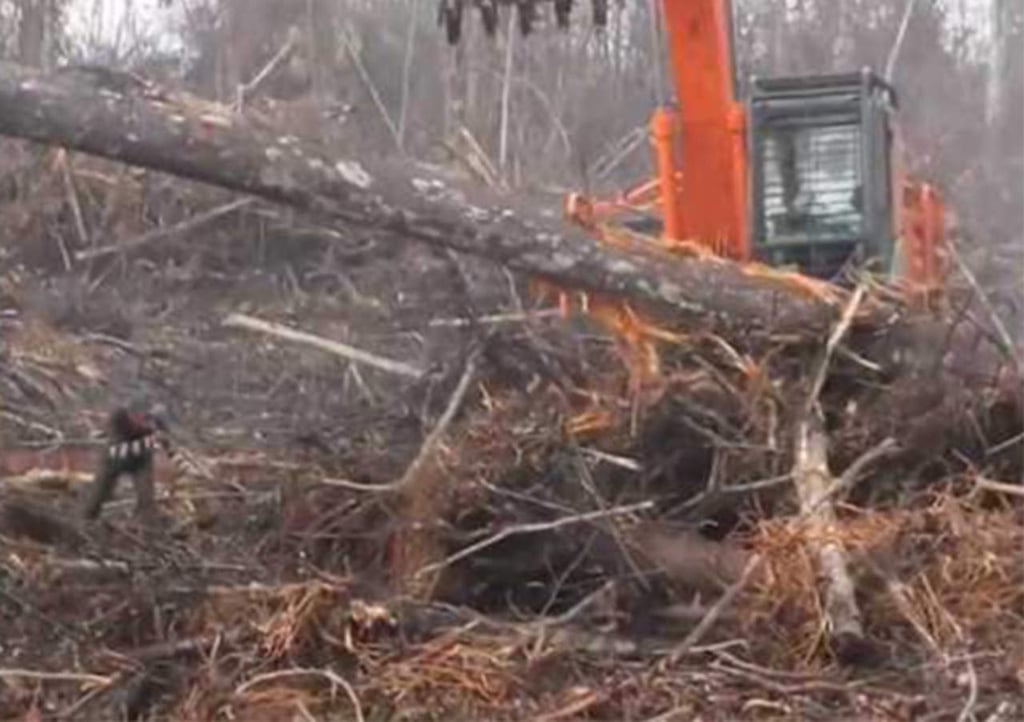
[712, 134]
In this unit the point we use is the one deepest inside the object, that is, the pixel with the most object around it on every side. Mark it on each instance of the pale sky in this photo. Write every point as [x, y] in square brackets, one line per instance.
[102, 22]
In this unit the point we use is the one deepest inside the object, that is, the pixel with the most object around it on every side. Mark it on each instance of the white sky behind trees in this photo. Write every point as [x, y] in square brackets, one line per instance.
[98, 25]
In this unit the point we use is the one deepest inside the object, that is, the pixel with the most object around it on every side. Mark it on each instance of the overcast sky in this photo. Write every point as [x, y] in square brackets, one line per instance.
[118, 21]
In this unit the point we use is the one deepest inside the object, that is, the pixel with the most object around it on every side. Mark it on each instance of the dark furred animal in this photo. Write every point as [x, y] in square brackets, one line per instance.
[132, 440]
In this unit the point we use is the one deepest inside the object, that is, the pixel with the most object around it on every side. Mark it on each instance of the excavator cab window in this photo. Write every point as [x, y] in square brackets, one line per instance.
[820, 172]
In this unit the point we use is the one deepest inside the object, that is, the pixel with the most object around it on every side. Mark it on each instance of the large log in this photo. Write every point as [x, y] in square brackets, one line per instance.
[121, 117]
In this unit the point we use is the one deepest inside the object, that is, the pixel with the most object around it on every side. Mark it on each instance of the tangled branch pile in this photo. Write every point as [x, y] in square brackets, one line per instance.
[473, 508]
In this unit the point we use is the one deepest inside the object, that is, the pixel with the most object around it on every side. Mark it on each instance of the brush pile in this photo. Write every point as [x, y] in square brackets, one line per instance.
[476, 508]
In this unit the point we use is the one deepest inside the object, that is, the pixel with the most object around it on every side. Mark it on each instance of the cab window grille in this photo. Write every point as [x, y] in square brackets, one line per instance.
[812, 185]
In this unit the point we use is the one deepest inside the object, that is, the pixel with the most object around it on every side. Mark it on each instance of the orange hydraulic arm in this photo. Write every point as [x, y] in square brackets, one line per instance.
[699, 146]
[711, 204]
[700, 153]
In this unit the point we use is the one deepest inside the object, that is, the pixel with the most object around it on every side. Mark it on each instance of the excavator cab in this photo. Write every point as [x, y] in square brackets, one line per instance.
[821, 192]
[802, 174]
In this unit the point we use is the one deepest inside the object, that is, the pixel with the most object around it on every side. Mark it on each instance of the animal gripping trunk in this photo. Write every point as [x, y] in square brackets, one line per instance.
[132, 442]
[136, 464]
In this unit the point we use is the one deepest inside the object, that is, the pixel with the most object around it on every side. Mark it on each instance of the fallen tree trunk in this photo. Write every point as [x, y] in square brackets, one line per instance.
[121, 117]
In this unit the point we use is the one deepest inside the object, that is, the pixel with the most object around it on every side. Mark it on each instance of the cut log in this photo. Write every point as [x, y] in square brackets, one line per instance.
[121, 117]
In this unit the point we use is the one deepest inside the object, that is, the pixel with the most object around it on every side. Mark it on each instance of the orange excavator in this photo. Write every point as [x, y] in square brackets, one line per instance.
[804, 174]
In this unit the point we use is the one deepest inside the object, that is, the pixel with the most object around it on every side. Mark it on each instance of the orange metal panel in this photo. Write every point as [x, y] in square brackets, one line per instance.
[923, 237]
[664, 130]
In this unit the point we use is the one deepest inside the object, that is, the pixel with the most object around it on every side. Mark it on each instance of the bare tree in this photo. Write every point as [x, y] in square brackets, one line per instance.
[36, 29]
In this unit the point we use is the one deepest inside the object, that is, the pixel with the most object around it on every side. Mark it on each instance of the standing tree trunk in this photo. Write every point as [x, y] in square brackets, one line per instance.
[33, 28]
[506, 97]
[995, 92]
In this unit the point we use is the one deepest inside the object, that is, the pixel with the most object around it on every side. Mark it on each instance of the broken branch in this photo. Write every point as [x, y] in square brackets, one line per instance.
[238, 320]
[186, 226]
[716, 610]
[55, 676]
[434, 438]
[815, 484]
[534, 528]
[334, 679]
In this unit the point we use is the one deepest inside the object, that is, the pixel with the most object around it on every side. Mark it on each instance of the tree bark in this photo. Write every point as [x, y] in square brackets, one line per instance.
[118, 116]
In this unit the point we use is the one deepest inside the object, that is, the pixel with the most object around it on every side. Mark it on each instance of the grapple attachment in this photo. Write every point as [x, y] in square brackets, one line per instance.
[450, 14]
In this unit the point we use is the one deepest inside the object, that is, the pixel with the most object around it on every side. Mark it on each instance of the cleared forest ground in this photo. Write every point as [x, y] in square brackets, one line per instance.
[558, 551]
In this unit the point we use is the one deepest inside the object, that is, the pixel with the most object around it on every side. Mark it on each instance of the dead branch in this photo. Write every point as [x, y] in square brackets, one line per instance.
[92, 566]
[478, 159]
[437, 433]
[430, 444]
[371, 88]
[840, 330]
[853, 472]
[280, 57]
[56, 676]
[1000, 487]
[813, 479]
[1002, 334]
[716, 611]
[189, 646]
[967, 712]
[238, 320]
[187, 226]
[335, 680]
[73, 199]
[581, 700]
[494, 319]
[46, 477]
[533, 528]
[814, 483]
[1004, 445]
